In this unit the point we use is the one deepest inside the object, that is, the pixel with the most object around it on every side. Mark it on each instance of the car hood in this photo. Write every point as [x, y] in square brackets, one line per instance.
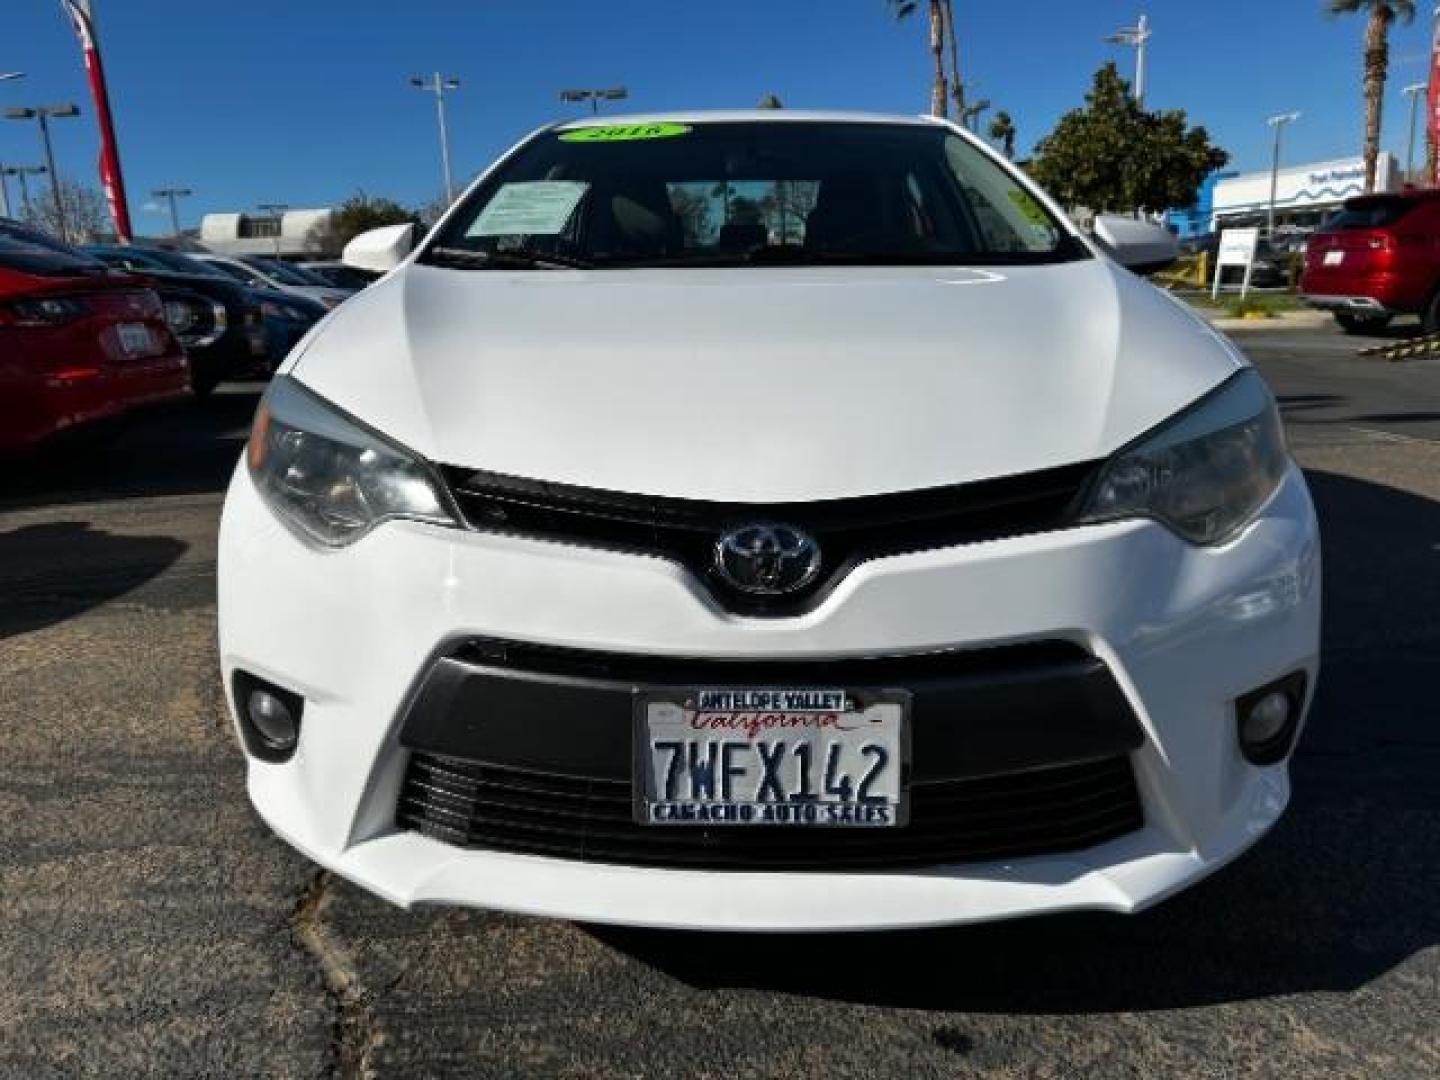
[764, 384]
[310, 308]
[321, 293]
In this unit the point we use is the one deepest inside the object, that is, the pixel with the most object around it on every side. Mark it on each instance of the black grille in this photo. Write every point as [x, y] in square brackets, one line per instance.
[1041, 811]
[849, 531]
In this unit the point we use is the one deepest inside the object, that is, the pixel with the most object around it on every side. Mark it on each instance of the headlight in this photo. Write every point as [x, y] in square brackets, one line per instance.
[1206, 472]
[197, 322]
[182, 316]
[329, 478]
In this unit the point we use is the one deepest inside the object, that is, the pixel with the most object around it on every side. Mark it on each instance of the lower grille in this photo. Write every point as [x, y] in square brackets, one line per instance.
[1040, 811]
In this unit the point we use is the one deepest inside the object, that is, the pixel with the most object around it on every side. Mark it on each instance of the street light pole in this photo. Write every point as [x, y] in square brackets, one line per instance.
[595, 96]
[6, 76]
[275, 209]
[42, 114]
[438, 84]
[1137, 36]
[171, 194]
[20, 172]
[1277, 122]
[1413, 92]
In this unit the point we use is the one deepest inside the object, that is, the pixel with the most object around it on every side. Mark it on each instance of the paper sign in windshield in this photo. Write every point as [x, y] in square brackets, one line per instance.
[530, 208]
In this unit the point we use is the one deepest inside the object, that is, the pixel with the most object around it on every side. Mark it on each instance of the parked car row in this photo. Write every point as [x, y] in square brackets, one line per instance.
[269, 321]
[276, 276]
[85, 332]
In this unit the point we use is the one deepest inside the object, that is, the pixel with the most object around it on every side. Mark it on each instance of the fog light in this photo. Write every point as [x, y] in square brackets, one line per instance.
[1268, 719]
[269, 717]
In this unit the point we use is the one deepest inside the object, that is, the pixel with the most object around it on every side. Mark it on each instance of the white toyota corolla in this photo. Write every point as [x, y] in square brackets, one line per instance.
[767, 521]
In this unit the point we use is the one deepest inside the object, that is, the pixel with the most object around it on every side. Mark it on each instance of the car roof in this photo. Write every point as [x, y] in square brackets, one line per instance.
[1383, 198]
[767, 116]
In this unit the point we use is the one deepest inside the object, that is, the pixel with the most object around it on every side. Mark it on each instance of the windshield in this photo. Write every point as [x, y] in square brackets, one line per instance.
[124, 258]
[1377, 213]
[284, 272]
[738, 193]
[242, 274]
[183, 264]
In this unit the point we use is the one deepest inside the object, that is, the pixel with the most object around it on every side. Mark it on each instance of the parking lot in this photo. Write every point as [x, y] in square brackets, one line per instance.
[152, 926]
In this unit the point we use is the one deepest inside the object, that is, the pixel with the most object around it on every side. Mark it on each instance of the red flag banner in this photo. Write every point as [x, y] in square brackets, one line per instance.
[1432, 112]
[83, 19]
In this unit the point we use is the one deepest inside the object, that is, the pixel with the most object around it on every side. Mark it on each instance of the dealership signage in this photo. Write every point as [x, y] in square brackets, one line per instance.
[1237, 248]
[1318, 185]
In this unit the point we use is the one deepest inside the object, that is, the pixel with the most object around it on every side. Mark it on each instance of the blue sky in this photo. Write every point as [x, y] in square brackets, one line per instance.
[304, 101]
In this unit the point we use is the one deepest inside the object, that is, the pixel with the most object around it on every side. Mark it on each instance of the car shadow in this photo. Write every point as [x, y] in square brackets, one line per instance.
[183, 449]
[1318, 409]
[54, 571]
[1294, 407]
[1343, 890]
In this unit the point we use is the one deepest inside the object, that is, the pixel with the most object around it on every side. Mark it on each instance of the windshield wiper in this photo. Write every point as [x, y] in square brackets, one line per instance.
[466, 259]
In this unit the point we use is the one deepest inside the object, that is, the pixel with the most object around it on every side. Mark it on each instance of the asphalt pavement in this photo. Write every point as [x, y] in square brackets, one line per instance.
[150, 926]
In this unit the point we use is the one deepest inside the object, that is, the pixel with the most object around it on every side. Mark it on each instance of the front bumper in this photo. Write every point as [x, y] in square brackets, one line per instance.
[1184, 631]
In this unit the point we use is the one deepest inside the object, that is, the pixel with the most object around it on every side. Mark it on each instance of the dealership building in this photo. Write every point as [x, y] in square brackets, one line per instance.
[292, 233]
[1304, 195]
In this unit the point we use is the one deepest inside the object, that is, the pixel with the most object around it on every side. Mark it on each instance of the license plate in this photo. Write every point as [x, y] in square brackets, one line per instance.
[136, 339]
[1334, 258]
[812, 757]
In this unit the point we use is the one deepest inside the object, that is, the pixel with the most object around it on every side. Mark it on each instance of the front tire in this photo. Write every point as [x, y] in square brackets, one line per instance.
[203, 384]
[1353, 323]
[1430, 317]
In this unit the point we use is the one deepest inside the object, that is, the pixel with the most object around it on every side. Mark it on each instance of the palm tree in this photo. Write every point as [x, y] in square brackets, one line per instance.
[939, 95]
[1002, 130]
[1382, 13]
[957, 85]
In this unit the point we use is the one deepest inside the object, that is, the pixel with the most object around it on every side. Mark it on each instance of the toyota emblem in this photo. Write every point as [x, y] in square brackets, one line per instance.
[767, 560]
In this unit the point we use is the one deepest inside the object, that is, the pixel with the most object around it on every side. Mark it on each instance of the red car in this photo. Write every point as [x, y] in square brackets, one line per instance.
[1377, 258]
[78, 344]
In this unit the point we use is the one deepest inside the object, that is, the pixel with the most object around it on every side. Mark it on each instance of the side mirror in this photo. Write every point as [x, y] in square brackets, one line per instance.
[1141, 246]
[380, 250]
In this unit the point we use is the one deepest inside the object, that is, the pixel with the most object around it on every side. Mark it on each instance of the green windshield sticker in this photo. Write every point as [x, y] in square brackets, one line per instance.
[624, 132]
[1032, 210]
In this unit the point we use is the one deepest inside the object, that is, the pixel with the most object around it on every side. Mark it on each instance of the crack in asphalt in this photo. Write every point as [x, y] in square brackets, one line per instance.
[355, 1035]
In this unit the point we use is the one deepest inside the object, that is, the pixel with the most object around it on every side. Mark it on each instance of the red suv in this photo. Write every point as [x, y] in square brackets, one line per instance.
[1377, 258]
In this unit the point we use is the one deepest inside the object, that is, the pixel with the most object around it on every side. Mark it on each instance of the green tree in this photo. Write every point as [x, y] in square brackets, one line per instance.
[1002, 131]
[770, 101]
[1382, 14]
[356, 215]
[1113, 155]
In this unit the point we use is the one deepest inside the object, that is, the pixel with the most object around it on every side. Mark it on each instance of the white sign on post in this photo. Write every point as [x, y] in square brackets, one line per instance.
[1237, 248]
